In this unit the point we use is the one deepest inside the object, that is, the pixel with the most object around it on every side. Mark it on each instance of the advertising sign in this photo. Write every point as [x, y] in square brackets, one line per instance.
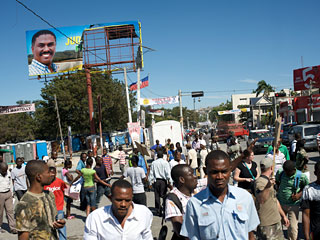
[134, 131]
[17, 108]
[304, 78]
[159, 101]
[51, 51]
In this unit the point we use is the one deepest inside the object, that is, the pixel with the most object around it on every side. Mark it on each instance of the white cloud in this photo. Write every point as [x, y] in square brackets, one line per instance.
[248, 80]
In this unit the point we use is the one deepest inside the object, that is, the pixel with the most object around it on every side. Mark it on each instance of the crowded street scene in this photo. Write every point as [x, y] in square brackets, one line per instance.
[160, 120]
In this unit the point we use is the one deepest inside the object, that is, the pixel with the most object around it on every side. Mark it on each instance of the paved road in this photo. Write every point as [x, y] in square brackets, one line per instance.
[75, 227]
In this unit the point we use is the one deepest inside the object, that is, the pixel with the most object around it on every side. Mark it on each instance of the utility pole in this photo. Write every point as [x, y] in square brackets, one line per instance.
[138, 94]
[127, 94]
[61, 137]
[311, 101]
[100, 123]
[90, 102]
[180, 105]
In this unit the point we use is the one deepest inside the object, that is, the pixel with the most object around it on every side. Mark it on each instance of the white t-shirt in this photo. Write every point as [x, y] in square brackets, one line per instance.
[20, 178]
[203, 155]
[192, 156]
[280, 159]
[136, 175]
[174, 163]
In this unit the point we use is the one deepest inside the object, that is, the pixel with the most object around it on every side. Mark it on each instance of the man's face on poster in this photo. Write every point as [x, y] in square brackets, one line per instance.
[44, 49]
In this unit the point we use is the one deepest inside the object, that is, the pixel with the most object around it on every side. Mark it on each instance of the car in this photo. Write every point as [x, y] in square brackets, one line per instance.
[285, 134]
[265, 139]
[308, 132]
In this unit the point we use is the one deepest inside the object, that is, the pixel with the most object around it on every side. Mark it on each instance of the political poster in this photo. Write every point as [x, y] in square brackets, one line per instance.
[159, 101]
[134, 131]
[60, 50]
[306, 78]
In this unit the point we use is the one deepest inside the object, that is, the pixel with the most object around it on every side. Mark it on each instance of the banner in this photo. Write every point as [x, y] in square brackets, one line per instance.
[143, 83]
[134, 131]
[234, 111]
[159, 101]
[17, 109]
[303, 78]
[156, 112]
[49, 51]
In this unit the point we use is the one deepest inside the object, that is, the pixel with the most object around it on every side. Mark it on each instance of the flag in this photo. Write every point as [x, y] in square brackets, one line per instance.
[143, 83]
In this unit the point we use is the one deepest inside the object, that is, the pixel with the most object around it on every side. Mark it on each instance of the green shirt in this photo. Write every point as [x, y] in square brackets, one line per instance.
[286, 188]
[88, 176]
[282, 149]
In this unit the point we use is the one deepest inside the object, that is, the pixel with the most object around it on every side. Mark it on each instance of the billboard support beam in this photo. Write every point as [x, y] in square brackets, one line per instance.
[90, 102]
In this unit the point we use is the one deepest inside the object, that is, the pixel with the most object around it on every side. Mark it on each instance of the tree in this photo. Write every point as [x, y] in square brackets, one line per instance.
[72, 98]
[214, 116]
[264, 87]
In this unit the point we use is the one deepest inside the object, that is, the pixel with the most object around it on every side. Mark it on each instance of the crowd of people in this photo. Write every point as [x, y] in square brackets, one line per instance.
[206, 193]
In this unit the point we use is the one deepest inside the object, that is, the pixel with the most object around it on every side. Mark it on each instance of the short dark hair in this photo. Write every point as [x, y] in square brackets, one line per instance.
[217, 155]
[247, 153]
[289, 166]
[33, 168]
[120, 148]
[18, 158]
[67, 162]
[89, 161]
[160, 154]
[42, 32]
[135, 159]
[121, 183]
[178, 171]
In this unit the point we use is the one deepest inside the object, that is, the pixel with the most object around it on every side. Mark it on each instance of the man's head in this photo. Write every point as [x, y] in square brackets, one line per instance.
[300, 144]
[3, 168]
[105, 151]
[120, 148]
[188, 146]
[266, 165]
[19, 162]
[218, 170]
[196, 137]
[38, 173]
[169, 141]
[121, 198]
[44, 46]
[98, 161]
[135, 160]
[90, 154]
[182, 175]
[54, 155]
[67, 164]
[157, 142]
[160, 154]
[171, 147]
[297, 136]
[289, 168]
[89, 162]
[53, 172]
[83, 157]
[177, 156]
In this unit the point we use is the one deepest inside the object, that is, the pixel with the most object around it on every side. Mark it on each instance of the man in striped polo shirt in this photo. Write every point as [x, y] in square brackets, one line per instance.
[107, 162]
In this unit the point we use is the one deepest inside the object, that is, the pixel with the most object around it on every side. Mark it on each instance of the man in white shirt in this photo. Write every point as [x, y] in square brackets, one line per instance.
[138, 178]
[177, 160]
[192, 158]
[160, 176]
[203, 154]
[120, 220]
[6, 199]
[19, 178]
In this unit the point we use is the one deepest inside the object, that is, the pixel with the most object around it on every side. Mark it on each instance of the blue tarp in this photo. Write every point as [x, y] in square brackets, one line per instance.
[76, 144]
[120, 139]
[41, 149]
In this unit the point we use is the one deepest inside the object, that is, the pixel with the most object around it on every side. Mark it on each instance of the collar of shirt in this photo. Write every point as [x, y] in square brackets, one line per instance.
[208, 195]
[43, 67]
[110, 216]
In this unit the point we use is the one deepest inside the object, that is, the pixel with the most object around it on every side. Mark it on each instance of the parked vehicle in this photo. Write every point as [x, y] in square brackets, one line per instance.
[285, 133]
[264, 140]
[224, 130]
[308, 132]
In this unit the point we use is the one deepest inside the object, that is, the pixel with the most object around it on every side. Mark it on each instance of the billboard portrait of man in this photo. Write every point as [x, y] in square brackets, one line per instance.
[43, 47]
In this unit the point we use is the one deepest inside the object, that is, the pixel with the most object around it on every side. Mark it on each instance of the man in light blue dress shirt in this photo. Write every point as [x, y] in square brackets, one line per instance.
[221, 211]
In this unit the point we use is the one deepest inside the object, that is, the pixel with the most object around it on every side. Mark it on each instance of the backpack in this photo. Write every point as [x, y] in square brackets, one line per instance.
[296, 180]
[174, 198]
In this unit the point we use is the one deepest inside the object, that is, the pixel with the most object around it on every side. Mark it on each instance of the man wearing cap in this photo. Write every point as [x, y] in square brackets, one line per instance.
[268, 206]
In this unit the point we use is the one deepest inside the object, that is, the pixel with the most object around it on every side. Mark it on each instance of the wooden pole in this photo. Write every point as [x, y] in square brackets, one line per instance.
[127, 94]
[90, 102]
[58, 116]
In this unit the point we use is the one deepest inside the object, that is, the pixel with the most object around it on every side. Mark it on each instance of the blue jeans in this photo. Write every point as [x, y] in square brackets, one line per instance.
[90, 193]
[62, 231]
[102, 190]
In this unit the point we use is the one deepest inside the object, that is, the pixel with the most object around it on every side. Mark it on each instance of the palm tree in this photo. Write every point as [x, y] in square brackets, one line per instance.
[264, 87]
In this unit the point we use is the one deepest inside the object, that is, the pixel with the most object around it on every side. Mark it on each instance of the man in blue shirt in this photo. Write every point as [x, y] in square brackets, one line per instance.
[221, 211]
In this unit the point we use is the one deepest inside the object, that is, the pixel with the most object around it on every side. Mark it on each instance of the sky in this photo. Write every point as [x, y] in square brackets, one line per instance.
[219, 47]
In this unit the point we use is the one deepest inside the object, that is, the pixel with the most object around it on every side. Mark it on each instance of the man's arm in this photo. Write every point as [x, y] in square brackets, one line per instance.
[306, 223]
[283, 215]
[23, 235]
[176, 224]
[251, 236]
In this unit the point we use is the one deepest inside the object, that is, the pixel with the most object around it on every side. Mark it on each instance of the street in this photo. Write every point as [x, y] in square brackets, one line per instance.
[75, 227]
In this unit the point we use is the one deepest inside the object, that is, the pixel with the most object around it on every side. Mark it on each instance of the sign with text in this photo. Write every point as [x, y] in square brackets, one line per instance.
[159, 101]
[134, 131]
[17, 109]
[306, 78]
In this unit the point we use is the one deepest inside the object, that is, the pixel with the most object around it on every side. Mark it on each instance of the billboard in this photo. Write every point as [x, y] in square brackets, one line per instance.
[17, 108]
[304, 78]
[57, 50]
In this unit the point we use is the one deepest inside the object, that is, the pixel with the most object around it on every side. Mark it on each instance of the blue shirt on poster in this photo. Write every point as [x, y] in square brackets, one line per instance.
[207, 218]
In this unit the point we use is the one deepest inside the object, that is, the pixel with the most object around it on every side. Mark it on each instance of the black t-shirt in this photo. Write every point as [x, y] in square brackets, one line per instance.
[311, 200]
[101, 172]
[244, 173]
